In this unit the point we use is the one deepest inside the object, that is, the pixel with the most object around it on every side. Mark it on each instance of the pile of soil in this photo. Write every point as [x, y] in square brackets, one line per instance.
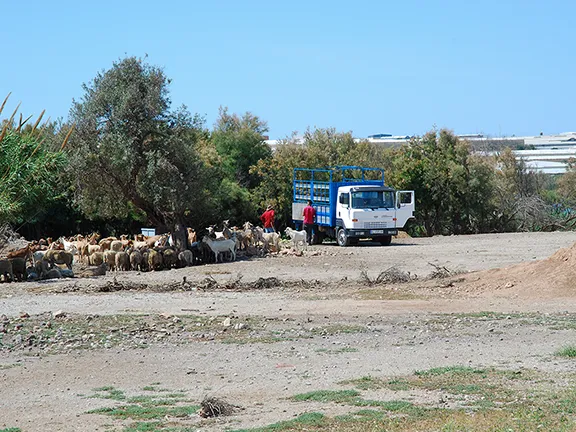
[548, 278]
[402, 235]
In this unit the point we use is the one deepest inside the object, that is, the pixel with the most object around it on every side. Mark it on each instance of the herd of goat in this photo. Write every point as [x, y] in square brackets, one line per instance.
[44, 259]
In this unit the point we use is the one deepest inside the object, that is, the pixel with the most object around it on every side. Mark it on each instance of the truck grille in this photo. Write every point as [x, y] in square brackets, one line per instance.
[375, 225]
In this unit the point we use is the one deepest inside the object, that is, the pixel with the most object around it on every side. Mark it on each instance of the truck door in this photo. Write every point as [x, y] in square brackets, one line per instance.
[404, 207]
[343, 209]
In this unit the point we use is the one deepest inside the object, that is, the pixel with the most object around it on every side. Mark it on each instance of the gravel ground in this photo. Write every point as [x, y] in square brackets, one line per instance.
[254, 348]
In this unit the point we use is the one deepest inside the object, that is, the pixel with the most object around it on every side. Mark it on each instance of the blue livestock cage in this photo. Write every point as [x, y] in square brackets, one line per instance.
[321, 187]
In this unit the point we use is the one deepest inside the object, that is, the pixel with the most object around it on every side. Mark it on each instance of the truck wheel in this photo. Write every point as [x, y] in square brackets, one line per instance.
[342, 238]
[385, 240]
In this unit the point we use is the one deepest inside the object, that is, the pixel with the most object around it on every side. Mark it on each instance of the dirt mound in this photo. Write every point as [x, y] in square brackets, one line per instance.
[402, 234]
[548, 278]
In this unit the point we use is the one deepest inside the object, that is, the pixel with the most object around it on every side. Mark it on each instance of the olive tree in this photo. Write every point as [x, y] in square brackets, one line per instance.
[131, 154]
[453, 187]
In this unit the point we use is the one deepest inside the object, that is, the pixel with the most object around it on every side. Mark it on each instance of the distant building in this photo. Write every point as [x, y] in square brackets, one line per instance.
[378, 136]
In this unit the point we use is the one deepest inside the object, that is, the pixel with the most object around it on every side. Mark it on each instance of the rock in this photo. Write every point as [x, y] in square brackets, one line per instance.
[227, 322]
[240, 326]
[24, 315]
[59, 314]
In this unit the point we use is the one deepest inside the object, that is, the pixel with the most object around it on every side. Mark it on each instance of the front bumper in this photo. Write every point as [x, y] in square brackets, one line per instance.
[363, 233]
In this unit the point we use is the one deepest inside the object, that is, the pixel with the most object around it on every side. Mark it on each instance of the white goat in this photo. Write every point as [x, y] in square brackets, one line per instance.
[297, 237]
[213, 233]
[218, 246]
[38, 256]
[69, 246]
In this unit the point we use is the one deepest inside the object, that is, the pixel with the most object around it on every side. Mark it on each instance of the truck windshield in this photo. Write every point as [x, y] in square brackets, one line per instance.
[372, 199]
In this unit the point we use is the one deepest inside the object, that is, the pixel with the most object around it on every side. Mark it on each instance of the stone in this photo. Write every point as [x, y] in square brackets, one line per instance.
[59, 314]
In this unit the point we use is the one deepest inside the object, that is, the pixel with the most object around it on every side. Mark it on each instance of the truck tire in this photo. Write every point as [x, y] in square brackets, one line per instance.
[385, 240]
[342, 238]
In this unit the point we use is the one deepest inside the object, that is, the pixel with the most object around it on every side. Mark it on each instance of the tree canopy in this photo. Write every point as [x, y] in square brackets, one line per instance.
[131, 156]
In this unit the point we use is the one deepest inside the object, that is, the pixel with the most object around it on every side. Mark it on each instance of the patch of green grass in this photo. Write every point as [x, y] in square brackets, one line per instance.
[145, 427]
[300, 423]
[338, 396]
[365, 383]
[352, 398]
[9, 366]
[109, 393]
[11, 429]
[449, 370]
[157, 410]
[398, 384]
[142, 399]
[567, 351]
[103, 389]
[139, 412]
[335, 329]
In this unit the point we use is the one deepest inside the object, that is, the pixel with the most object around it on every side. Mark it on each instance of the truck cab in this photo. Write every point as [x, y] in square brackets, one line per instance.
[351, 203]
[374, 212]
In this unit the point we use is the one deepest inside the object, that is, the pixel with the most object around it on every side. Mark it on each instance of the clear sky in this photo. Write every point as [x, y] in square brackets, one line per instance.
[399, 67]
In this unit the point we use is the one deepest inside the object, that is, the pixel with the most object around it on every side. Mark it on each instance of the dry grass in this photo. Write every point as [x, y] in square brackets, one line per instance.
[214, 407]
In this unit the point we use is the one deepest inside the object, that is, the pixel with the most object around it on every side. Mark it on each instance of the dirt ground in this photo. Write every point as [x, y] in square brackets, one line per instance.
[256, 332]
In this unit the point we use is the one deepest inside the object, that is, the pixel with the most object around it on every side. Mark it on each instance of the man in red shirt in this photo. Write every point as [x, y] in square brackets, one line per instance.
[309, 213]
[267, 219]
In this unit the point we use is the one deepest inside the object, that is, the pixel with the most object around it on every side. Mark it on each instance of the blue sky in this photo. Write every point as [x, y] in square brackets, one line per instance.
[493, 67]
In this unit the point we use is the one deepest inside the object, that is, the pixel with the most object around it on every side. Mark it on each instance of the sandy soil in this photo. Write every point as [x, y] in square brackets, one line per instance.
[331, 325]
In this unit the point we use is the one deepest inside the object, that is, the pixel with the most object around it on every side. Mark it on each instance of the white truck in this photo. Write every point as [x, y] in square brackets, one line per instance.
[351, 203]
